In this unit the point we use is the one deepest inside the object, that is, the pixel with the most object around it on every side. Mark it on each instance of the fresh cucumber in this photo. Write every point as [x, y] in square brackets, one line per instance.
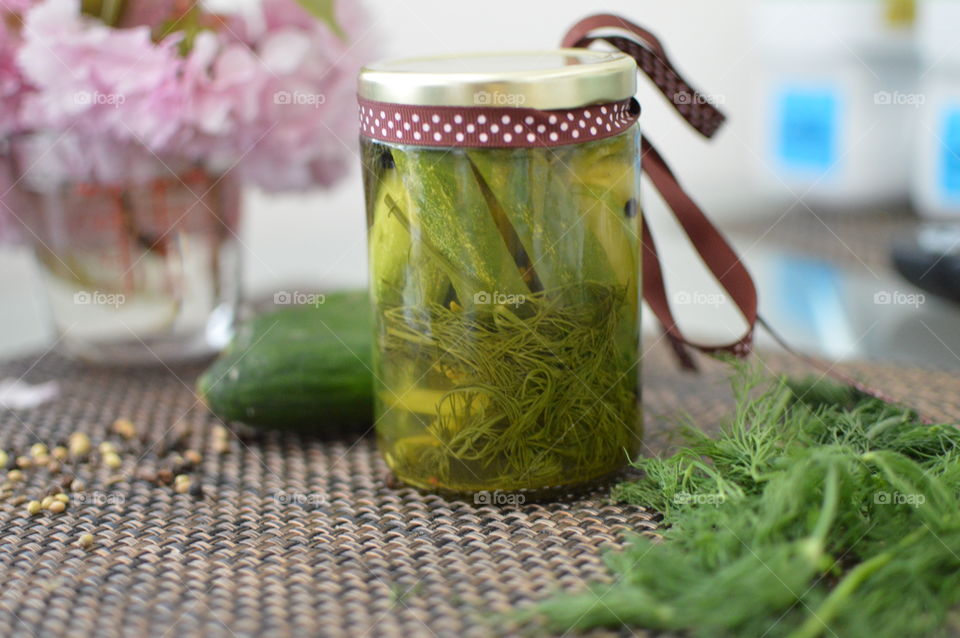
[306, 368]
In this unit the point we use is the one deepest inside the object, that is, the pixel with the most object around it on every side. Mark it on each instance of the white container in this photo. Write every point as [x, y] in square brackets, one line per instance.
[837, 102]
[936, 175]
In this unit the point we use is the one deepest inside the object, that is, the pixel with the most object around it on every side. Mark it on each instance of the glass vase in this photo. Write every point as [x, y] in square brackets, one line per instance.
[141, 270]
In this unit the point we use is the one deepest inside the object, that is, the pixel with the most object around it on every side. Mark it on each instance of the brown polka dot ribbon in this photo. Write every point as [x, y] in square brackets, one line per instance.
[493, 127]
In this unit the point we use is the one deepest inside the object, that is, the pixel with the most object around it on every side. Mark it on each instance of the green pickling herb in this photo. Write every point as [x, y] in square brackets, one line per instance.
[815, 512]
[506, 290]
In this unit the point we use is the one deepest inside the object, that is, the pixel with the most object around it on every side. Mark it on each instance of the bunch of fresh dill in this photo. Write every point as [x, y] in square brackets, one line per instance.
[815, 512]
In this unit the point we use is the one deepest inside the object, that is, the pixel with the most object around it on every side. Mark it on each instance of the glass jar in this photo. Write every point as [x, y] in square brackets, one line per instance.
[138, 269]
[502, 206]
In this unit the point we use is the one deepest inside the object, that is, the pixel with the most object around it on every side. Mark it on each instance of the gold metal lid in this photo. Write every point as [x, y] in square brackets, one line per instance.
[545, 80]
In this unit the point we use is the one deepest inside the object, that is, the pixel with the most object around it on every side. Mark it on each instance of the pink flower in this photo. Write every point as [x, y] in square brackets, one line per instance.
[149, 13]
[268, 93]
[307, 110]
[18, 6]
[13, 86]
[98, 80]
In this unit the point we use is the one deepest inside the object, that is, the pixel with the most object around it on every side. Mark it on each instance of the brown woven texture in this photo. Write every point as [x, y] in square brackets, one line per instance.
[298, 536]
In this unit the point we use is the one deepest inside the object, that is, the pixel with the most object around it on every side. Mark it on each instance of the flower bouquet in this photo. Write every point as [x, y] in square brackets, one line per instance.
[129, 127]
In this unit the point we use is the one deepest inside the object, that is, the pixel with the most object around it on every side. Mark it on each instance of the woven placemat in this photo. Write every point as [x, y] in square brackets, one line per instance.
[297, 536]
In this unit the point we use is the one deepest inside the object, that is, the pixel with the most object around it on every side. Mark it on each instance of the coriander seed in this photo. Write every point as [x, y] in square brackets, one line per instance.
[38, 450]
[60, 453]
[46, 502]
[181, 484]
[79, 444]
[15, 475]
[34, 508]
[57, 507]
[86, 541]
[125, 428]
[112, 460]
[63, 498]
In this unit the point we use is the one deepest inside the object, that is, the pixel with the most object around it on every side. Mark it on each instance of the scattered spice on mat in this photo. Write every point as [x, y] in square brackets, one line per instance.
[181, 484]
[815, 512]
[221, 439]
[75, 453]
[112, 460]
[85, 541]
[79, 445]
[125, 428]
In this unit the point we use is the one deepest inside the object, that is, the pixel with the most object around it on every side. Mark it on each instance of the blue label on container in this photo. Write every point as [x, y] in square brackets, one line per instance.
[950, 154]
[807, 136]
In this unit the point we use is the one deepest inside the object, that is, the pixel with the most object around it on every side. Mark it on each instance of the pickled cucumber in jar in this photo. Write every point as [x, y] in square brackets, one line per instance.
[504, 264]
[506, 285]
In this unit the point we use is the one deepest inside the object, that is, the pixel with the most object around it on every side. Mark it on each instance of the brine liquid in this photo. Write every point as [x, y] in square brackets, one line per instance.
[506, 292]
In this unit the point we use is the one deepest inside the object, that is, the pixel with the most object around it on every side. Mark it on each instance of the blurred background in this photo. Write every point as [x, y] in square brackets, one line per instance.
[842, 145]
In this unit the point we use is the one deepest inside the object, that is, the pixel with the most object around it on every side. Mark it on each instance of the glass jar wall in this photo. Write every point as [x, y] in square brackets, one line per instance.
[506, 292]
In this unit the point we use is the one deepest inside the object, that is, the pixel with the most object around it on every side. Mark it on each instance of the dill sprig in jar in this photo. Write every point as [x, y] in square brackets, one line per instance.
[502, 207]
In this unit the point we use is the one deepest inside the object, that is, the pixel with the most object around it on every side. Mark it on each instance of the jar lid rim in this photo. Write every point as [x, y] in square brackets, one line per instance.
[548, 79]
